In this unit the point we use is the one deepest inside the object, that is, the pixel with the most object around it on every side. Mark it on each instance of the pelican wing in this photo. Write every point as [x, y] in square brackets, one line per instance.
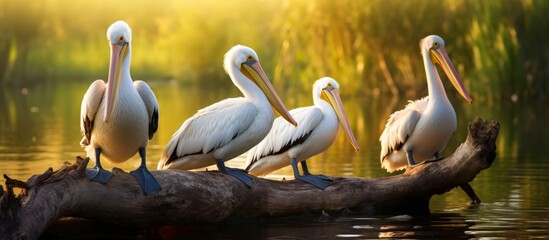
[284, 135]
[210, 128]
[400, 125]
[90, 105]
[151, 104]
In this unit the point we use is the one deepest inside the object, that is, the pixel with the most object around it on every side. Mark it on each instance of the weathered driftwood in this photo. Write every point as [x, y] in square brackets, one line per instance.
[205, 197]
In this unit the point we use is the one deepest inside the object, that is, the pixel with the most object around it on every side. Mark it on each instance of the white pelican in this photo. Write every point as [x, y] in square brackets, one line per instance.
[228, 128]
[317, 129]
[119, 118]
[421, 130]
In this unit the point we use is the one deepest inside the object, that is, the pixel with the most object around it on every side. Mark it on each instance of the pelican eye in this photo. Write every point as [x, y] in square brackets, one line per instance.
[436, 45]
[250, 60]
[329, 87]
[121, 39]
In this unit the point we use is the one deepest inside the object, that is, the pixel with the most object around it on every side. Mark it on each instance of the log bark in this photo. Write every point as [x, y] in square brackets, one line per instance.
[211, 197]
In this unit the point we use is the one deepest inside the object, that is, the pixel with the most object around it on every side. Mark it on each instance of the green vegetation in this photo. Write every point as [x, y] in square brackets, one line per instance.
[371, 47]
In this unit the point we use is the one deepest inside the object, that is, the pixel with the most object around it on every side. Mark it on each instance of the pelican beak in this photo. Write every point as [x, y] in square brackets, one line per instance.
[118, 53]
[332, 95]
[441, 57]
[253, 70]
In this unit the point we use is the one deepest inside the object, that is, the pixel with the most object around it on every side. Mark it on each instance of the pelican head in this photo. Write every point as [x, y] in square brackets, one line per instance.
[119, 35]
[247, 62]
[434, 46]
[329, 89]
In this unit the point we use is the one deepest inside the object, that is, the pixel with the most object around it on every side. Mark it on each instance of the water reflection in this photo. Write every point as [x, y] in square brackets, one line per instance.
[465, 225]
[39, 128]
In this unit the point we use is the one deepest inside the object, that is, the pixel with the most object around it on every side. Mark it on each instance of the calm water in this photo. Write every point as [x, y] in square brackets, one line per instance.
[39, 128]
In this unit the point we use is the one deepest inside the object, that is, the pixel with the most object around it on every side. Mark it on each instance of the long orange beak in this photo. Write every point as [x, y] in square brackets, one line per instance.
[441, 57]
[253, 70]
[332, 95]
[118, 53]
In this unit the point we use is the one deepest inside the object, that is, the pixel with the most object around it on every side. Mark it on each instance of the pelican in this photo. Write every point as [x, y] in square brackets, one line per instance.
[231, 127]
[318, 127]
[120, 117]
[421, 130]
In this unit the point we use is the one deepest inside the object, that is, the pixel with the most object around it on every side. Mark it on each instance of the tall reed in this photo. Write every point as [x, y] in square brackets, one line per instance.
[371, 47]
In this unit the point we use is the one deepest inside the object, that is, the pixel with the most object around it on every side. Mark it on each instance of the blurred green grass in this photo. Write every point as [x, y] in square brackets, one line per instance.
[371, 46]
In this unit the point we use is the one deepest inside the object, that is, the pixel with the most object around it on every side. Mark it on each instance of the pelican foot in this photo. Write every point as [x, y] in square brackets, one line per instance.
[146, 180]
[237, 170]
[98, 174]
[323, 177]
[425, 161]
[432, 160]
[240, 175]
[411, 162]
[318, 181]
[306, 170]
[437, 157]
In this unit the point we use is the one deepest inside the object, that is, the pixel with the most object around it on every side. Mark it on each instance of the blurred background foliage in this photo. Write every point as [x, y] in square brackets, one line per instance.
[371, 46]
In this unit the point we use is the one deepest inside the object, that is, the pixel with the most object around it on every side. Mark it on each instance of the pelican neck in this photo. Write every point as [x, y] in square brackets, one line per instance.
[125, 75]
[317, 97]
[434, 84]
[245, 85]
[320, 103]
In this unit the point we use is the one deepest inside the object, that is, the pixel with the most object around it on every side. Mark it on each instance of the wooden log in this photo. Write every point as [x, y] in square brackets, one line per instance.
[211, 197]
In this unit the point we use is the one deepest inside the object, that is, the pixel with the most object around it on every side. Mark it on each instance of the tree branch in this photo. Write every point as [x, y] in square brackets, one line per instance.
[206, 197]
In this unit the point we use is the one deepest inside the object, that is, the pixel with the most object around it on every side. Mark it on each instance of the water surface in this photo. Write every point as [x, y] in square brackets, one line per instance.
[39, 128]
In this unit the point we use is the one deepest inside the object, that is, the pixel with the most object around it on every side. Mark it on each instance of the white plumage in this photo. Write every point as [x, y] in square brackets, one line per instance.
[129, 127]
[118, 118]
[134, 115]
[423, 127]
[231, 127]
[318, 127]
[216, 132]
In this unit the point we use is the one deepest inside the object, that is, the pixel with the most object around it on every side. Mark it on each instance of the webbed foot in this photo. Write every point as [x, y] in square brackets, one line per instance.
[144, 177]
[319, 181]
[412, 163]
[239, 174]
[98, 174]
[146, 180]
